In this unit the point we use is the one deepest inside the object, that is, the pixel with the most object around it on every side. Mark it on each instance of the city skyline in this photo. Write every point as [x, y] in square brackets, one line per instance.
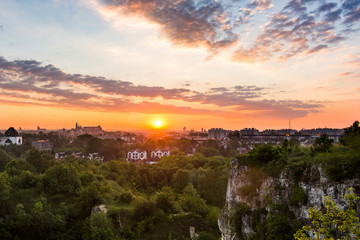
[152, 127]
[201, 64]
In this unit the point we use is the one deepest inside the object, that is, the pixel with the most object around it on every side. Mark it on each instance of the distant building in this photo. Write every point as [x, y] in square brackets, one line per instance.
[11, 137]
[60, 155]
[225, 142]
[157, 154]
[249, 131]
[217, 133]
[79, 130]
[42, 145]
[79, 155]
[136, 155]
[242, 150]
[96, 156]
[41, 129]
[91, 156]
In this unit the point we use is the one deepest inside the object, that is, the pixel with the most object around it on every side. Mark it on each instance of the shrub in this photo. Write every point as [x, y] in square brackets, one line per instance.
[298, 196]
[143, 209]
[126, 197]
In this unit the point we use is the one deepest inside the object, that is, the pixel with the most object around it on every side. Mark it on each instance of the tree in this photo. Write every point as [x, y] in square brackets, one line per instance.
[184, 145]
[143, 209]
[34, 158]
[212, 187]
[351, 136]
[98, 227]
[335, 223]
[94, 145]
[39, 223]
[89, 197]
[208, 151]
[181, 180]
[62, 179]
[82, 140]
[165, 200]
[322, 144]
[4, 159]
[264, 153]
[190, 201]
[111, 150]
[4, 188]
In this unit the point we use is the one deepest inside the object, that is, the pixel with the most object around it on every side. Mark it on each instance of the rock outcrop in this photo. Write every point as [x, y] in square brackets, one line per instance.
[253, 188]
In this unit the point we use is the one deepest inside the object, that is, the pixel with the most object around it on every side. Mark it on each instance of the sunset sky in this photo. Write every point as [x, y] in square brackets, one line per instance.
[122, 64]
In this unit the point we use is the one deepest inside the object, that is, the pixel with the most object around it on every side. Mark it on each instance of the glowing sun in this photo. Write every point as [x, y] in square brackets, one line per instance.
[158, 123]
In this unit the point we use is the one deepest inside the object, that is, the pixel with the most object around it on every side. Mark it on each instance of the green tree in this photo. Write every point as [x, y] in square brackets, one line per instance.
[181, 180]
[351, 136]
[184, 145]
[165, 200]
[37, 160]
[82, 140]
[94, 145]
[212, 187]
[264, 153]
[62, 179]
[4, 189]
[25, 179]
[208, 151]
[89, 197]
[111, 150]
[335, 223]
[39, 223]
[4, 159]
[143, 209]
[98, 227]
[322, 144]
[190, 201]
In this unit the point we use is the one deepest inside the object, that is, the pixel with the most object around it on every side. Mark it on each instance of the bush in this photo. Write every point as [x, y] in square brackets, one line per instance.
[143, 209]
[165, 200]
[298, 196]
[264, 153]
[126, 197]
[62, 179]
[242, 209]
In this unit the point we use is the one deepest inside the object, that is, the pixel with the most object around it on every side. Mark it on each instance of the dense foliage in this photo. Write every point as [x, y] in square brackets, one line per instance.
[44, 199]
[41, 198]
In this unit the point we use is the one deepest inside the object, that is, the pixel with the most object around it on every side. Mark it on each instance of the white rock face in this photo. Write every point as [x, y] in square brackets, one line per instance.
[277, 190]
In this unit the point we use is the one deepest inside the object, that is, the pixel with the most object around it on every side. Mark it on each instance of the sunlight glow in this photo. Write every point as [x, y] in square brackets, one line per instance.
[158, 124]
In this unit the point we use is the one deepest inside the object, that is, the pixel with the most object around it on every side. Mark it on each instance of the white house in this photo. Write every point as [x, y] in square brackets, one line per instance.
[11, 137]
[159, 154]
[136, 155]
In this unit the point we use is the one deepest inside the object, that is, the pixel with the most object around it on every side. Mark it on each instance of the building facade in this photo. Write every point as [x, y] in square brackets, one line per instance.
[216, 133]
[11, 137]
[42, 145]
[136, 155]
[157, 154]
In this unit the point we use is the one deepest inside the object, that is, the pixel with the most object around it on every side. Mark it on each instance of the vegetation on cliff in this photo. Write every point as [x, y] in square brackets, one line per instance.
[335, 223]
[273, 219]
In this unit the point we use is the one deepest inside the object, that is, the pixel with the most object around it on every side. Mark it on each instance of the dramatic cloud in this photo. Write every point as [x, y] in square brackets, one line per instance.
[352, 11]
[29, 82]
[300, 27]
[184, 22]
[296, 30]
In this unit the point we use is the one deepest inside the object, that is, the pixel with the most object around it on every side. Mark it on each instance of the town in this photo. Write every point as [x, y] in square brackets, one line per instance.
[147, 147]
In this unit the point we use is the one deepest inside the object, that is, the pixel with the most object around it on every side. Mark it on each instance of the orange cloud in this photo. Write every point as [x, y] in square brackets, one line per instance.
[29, 83]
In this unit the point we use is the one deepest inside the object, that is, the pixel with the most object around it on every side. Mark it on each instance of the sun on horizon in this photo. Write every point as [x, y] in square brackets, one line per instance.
[158, 124]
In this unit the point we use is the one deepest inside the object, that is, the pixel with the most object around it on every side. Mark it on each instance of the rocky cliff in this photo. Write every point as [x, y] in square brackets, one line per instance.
[252, 194]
